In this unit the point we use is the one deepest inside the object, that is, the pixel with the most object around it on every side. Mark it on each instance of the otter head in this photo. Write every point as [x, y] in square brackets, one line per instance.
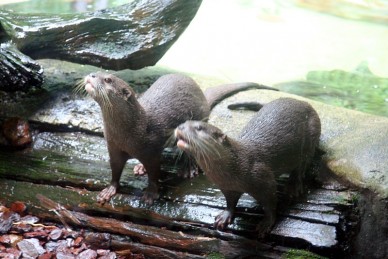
[106, 88]
[200, 139]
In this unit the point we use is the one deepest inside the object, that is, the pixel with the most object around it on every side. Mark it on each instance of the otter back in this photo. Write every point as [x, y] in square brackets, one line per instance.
[284, 132]
[173, 99]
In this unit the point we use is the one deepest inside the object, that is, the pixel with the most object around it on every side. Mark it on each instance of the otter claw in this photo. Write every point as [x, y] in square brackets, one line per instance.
[106, 194]
[139, 169]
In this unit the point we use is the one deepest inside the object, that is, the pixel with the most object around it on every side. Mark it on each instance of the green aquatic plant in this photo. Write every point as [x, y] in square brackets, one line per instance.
[358, 90]
[215, 255]
[301, 254]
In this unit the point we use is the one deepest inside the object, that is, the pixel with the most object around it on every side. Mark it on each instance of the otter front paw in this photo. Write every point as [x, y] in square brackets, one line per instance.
[139, 169]
[223, 220]
[106, 194]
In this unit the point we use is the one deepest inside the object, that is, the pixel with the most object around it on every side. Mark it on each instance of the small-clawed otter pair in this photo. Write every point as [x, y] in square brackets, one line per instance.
[280, 138]
[139, 128]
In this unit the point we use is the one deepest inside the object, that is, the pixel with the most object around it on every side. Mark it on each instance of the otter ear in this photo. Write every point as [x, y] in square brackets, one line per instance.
[126, 93]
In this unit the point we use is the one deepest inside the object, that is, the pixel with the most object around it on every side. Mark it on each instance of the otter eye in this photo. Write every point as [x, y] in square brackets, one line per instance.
[198, 127]
[108, 80]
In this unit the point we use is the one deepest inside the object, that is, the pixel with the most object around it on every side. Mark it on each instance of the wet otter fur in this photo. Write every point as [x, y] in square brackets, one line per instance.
[280, 138]
[139, 128]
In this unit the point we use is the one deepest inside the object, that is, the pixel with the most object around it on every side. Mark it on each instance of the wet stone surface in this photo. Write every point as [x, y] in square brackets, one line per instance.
[70, 112]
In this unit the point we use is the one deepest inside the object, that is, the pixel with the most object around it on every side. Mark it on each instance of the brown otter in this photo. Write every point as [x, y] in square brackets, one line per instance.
[139, 128]
[280, 138]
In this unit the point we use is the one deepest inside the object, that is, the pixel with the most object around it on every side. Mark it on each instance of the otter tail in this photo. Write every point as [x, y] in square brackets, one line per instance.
[216, 94]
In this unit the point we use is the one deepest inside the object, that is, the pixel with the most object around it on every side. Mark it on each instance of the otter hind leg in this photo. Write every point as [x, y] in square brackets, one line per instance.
[226, 217]
[296, 184]
[152, 166]
[268, 200]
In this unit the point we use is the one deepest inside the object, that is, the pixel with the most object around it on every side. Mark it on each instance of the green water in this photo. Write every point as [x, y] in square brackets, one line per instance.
[277, 43]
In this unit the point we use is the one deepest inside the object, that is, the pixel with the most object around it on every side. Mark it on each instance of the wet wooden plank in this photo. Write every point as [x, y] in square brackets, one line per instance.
[315, 220]
[314, 216]
[79, 163]
[318, 235]
[314, 207]
[330, 197]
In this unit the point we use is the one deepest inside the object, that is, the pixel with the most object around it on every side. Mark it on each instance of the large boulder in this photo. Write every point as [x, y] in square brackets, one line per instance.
[133, 35]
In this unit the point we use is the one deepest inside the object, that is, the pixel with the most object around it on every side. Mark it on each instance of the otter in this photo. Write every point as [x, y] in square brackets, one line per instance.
[280, 138]
[139, 128]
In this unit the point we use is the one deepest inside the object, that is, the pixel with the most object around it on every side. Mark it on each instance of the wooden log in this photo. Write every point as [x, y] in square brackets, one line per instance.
[149, 235]
[120, 247]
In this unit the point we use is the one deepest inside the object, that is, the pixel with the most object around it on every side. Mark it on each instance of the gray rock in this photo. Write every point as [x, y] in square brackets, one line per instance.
[18, 71]
[132, 36]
